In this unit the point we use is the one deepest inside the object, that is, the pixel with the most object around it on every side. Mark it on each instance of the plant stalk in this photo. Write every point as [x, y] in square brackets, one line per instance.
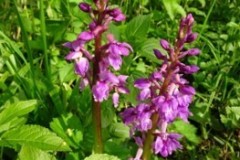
[44, 40]
[96, 106]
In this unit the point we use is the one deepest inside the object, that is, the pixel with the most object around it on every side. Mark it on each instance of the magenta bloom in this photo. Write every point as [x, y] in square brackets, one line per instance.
[104, 82]
[166, 143]
[164, 96]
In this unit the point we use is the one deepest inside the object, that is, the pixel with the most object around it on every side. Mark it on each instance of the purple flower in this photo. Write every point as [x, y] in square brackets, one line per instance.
[142, 83]
[100, 91]
[165, 45]
[166, 94]
[188, 69]
[167, 107]
[86, 36]
[85, 7]
[166, 143]
[115, 99]
[159, 55]
[82, 66]
[191, 37]
[117, 15]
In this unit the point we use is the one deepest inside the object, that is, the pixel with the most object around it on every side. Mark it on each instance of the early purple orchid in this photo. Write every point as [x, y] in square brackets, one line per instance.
[163, 97]
[110, 55]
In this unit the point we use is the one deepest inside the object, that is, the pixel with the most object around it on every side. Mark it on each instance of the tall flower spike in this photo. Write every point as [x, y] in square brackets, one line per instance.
[97, 70]
[164, 96]
[111, 54]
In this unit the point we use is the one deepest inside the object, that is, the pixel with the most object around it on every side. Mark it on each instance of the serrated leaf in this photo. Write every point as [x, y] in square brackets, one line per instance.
[187, 130]
[33, 135]
[32, 153]
[16, 110]
[138, 27]
[101, 157]
[69, 128]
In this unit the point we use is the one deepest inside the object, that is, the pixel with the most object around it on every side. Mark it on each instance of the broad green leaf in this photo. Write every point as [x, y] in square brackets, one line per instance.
[187, 130]
[69, 128]
[138, 27]
[15, 122]
[16, 109]
[173, 7]
[101, 157]
[108, 113]
[33, 135]
[32, 153]
[119, 130]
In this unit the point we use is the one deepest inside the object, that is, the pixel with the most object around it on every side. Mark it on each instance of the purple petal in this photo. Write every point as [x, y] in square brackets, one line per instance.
[117, 15]
[73, 55]
[109, 77]
[82, 66]
[115, 61]
[123, 90]
[77, 45]
[142, 83]
[86, 36]
[68, 45]
[122, 79]
[159, 55]
[191, 37]
[115, 99]
[189, 69]
[165, 45]
[85, 7]
[188, 90]
[144, 94]
[100, 91]
[92, 26]
[84, 82]
[193, 52]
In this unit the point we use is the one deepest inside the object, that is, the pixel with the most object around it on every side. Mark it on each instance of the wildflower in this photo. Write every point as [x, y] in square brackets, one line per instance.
[164, 96]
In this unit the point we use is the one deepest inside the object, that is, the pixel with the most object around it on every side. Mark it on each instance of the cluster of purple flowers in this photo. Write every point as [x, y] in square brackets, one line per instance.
[165, 95]
[105, 59]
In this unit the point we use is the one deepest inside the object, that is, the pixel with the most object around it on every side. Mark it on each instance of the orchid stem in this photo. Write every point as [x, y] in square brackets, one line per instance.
[96, 106]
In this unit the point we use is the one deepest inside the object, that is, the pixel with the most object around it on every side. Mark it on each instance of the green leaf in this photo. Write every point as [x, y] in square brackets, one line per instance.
[17, 109]
[69, 128]
[15, 122]
[101, 157]
[138, 27]
[32, 153]
[173, 7]
[147, 47]
[119, 130]
[33, 135]
[187, 130]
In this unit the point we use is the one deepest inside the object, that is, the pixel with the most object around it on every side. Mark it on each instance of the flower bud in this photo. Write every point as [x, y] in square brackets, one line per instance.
[165, 45]
[191, 37]
[193, 52]
[85, 7]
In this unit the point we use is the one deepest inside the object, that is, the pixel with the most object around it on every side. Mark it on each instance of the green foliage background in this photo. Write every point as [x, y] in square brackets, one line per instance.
[43, 115]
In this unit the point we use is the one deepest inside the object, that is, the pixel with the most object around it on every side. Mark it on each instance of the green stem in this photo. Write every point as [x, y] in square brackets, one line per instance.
[96, 106]
[149, 138]
[44, 40]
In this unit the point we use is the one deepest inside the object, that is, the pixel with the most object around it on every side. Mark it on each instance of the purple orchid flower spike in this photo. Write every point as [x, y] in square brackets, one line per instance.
[163, 97]
[111, 54]
[97, 67]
